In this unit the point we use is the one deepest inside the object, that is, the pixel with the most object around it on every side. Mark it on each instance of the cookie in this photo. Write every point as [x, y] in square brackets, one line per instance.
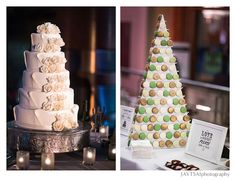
[165, 93]
[170, 110]
[153, 59]
[159, 84]
[173, 118]
[150, 127]
[176, 126]
[164, 67]
[175, 101]
[169, 135]
[181, 101]
[156, 76]
[177, 134]
[142, 110]
[152, 118]
[166, 118]
[157, 127]
[164, 126]
[144, 127]
[163, 42]
[135, 136]
[169, 76]
[152, 93]
[186, 118]
[160, 59]
[155, 50]
[161, 143]
[172, 59]
[150, 101]
[182, 142]
[160, 34]
[169, 143]
[154, 110]
[152, 84]
[170, 43]
[166, 34]
[182, 126]
[163, 101]
[139, 119]
[172, 93]
[142, 136]
[152, 67]
[156, 135]
[145, 119]
[183, 109]
[175, 76]
[155, 144]
[143, 101]
[172, 84]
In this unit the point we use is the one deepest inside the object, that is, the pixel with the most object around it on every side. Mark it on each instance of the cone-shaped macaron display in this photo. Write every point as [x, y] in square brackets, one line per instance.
[161, 116]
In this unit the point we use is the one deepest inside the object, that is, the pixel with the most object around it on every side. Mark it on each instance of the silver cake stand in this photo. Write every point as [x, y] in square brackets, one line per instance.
[37, 141]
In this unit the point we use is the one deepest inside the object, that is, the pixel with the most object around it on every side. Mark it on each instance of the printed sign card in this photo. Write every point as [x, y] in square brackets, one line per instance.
[126, 114]
[206, 140]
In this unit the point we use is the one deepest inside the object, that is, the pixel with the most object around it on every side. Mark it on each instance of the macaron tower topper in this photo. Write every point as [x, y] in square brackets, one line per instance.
[161, 116]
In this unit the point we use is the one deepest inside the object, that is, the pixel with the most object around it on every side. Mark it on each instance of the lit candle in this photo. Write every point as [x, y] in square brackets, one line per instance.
[112, 152]
[22, 159]
[47, 161]
[104, 132]
[89, 155]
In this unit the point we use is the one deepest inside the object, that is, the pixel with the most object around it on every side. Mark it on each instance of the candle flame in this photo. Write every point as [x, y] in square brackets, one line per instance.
[89, 155]
[47, 161]
[102, 130]
[21, 159]
[113, 151]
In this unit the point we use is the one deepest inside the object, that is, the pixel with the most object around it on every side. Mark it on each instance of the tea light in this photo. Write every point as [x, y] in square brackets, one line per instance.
[22, 159]
[89, 155]
[112, 152]
[104, 132]
[47, 161]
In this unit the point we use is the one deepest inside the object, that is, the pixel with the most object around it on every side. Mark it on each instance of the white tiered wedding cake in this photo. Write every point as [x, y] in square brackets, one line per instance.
[46, 100]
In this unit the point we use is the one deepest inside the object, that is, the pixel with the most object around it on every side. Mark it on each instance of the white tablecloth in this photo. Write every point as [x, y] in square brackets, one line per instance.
[161, 156]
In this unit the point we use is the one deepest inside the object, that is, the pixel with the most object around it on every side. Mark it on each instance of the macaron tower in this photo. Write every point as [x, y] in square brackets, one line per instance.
[161, 116]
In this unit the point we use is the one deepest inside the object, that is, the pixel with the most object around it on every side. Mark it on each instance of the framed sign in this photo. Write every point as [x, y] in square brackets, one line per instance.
[126, 119]
[206, 140]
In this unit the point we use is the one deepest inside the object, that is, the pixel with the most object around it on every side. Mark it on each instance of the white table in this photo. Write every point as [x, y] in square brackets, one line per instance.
[161, 156]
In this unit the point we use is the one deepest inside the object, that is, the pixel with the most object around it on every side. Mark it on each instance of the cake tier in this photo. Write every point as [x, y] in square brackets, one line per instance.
[46, 42]
[45, 62]
[46, 120]
[46, 82]
[51, 101]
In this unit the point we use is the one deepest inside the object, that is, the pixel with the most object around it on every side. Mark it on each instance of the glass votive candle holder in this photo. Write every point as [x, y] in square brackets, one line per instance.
[104, 132]
[112, 152]
[89, 155]
[22, 159]
[47, 161]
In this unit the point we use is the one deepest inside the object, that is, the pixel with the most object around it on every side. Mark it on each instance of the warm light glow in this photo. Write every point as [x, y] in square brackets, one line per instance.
[113, 151]
[92, 100]
[47, 161]
[102, 130]
[21, 159]
[89, 155]
[202, 107]
[93, 46]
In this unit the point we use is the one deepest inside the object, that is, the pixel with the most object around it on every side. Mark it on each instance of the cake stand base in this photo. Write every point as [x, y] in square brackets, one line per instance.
[37, 141]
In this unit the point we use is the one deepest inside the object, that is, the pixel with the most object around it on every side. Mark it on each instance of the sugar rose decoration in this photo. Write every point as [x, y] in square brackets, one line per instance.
[48, 28]
[64, 122]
